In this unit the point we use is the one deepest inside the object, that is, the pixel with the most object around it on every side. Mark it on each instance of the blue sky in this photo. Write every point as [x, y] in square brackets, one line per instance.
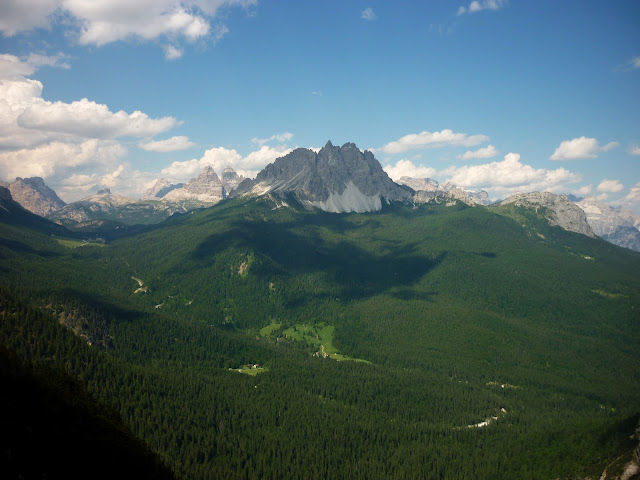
[502, 95]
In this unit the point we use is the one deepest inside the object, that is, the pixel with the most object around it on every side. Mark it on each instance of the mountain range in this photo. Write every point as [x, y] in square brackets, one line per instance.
[269, 337]
[334, 179]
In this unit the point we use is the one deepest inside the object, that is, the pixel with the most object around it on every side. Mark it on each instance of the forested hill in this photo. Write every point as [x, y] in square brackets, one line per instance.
[256, 340]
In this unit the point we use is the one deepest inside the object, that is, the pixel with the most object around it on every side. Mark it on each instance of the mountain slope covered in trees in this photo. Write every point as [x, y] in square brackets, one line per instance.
[494, 345]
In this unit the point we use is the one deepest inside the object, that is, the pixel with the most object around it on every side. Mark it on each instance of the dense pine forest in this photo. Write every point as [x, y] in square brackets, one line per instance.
[251, 341]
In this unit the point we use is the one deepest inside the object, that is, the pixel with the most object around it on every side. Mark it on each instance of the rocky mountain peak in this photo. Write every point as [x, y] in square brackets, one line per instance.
[611, 224]
[558, 210]
[205, 188]
[336, 179]
[160, 189]
[230, 179]
[34, 195]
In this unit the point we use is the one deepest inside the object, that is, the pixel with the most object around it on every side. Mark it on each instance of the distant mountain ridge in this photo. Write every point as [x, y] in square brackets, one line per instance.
[336, 179]
[619, 227]
[558, 210]
[428, 189]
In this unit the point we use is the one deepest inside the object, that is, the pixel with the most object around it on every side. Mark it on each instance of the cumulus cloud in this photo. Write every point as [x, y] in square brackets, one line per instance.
[499, 179]
[486, 152]
[169, 145]
[87, 118]
[26, 119]
[12, 67]
[368, 14]
[433, 139]
[633, 197]
[634, 150]
[510, 176]
[100, 22]
[172, 53]
[579, 148]
[219, 158]
[406, 168]
[56, 158]
[582, 191]
[610, 186]
[73, 145]
[479, 5]
[24, 15]
[280, 137]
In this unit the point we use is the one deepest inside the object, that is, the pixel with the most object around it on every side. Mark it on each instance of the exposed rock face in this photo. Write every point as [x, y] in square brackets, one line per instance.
[35, 196]
[7, 204]
[429, 190]
[206, 188]
[612, 225]
[100, 205]
[160, 189]
[336, 179]
[559, 210]
[479, 196]
[419, 184]
[230, 180]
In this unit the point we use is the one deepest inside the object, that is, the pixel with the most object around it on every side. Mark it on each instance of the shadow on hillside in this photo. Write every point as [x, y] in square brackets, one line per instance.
[351, 271]
[102, 311]
[23, 248]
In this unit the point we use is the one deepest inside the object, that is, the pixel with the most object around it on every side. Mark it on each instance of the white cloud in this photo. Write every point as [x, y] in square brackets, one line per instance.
[510, 176]
[169, 145]
[100, 22]
[367, 14]
[261, 158]
[172, 53]
[581, 147]
[582, 191]
[280, 137]
[12, 67]
[27, 120]
[499, 179]
[23, 15]
[406, 168]
[630, 65]
[86, 118]
[433, 139]
[316, 93]
[58, 158]
[634, 194]
[221, 157]
[479, 5]
[486, 152]
[610, 186]
[634, 150]
[71, 145]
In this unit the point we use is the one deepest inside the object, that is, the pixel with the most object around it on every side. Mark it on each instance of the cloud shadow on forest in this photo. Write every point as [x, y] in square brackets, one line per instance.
[352, 270]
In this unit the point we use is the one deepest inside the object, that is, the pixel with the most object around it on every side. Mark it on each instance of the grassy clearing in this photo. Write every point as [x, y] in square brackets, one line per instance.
[269, 329]
[78, 243]
[319, 336]
[250, 370]
[604, 294]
